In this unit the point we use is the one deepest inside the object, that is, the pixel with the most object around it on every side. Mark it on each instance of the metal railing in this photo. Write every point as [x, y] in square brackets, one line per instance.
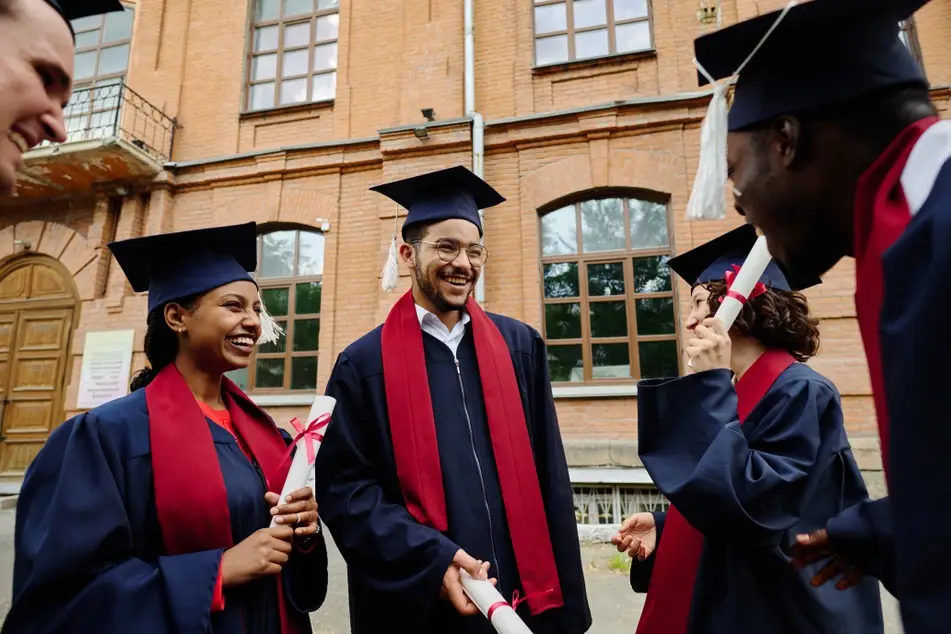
[111, 109]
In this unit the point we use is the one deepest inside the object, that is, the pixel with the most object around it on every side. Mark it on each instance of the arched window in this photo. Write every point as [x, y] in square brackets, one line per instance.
[609, 309]
[290, 272]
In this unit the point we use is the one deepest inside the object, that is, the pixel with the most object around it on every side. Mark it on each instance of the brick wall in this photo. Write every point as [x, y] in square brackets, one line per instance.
[636, 125]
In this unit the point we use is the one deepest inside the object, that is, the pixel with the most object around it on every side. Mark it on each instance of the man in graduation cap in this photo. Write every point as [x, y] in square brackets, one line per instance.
[445, 451]
[36, 74]
[750, 449]
[836, 150]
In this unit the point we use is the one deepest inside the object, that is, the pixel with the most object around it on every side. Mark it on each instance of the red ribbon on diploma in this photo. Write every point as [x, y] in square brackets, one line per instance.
[516, 599]
[311, 433]
[758, 289]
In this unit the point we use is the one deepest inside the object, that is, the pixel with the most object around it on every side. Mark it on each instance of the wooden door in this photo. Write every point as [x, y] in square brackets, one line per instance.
[37, 310]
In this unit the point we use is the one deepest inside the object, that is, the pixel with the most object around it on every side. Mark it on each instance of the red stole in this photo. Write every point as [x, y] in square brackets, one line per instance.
[415, 449]
[670, 594]
[186, 472]
[881, 215]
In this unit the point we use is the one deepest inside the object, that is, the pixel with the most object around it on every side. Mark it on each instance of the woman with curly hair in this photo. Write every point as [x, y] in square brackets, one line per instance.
[751, 449]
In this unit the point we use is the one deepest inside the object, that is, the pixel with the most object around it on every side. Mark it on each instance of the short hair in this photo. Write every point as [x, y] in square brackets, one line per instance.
[416, 231]
[777, 319]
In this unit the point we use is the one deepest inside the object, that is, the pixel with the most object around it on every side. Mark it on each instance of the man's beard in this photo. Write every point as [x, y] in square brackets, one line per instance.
[439, 302]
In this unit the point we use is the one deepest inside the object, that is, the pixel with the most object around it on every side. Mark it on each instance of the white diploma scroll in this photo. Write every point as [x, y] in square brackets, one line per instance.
[504, 618]
[747, 277]
[749, 274]
[301, 466]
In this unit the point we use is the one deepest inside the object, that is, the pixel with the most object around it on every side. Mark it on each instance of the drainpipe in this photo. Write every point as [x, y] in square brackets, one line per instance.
[478, 123]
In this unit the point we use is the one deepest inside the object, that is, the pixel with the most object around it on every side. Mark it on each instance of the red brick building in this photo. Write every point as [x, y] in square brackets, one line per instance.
[584, 114]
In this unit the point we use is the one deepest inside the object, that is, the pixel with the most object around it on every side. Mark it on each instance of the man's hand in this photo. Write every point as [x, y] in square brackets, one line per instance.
[452, 581]
[814, 547]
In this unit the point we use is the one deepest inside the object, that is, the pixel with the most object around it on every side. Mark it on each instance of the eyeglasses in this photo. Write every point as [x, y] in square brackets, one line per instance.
[448, 251]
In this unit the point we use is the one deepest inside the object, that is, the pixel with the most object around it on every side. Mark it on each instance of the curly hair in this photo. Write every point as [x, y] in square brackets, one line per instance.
[777, 319]
[161, 344]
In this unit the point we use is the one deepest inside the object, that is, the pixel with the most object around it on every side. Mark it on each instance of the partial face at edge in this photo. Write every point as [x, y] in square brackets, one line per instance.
[36, 68]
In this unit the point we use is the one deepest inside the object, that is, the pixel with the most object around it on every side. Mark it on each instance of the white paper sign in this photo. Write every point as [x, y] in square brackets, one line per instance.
[107, 362]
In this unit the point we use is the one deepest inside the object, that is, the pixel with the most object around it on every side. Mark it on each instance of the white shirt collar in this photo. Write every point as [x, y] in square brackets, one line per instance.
[427, 318]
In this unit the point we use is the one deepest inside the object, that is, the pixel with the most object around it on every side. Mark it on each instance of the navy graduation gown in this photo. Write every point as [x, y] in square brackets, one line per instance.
[903, 296]
[396, 565]
[750, 489]
[89, 554]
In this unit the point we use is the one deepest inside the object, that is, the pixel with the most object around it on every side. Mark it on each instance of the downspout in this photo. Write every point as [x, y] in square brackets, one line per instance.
[478, 123]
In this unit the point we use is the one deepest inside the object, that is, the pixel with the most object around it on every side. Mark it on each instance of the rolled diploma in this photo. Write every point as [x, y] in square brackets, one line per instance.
[749, 274]
[299, 473]
[504, 619]
[752, 269]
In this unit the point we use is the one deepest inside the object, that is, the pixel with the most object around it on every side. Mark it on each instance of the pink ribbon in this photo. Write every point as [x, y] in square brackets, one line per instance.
[516, 599]
[310, 433]
[758, 289]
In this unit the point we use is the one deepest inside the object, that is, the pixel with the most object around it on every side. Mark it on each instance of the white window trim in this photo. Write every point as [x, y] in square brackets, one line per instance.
[594, 391]
[282, 400]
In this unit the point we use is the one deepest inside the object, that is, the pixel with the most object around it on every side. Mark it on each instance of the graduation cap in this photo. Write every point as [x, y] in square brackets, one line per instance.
[76, 9]
[454, 192]
[711, 261]
[801, 58]
[173, 266]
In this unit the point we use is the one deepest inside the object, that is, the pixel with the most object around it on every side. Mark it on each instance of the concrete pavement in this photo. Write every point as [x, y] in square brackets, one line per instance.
[614, 606]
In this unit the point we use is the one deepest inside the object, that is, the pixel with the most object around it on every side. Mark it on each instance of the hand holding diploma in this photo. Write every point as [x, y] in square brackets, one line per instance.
[463, 563]
[300, 507]
[493, 606]
[710, 346]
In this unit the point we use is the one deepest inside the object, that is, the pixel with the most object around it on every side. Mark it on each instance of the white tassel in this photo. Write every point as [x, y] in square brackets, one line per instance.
[708, 198]
[271, 331]
[391, 270]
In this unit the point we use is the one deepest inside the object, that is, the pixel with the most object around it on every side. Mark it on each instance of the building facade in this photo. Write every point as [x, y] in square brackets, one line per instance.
[584, 114]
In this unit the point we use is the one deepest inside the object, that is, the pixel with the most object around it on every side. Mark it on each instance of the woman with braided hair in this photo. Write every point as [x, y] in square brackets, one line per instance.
[750, 448]
[151, 513]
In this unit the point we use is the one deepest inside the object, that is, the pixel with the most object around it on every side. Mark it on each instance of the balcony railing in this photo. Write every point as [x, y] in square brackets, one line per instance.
[115, 110]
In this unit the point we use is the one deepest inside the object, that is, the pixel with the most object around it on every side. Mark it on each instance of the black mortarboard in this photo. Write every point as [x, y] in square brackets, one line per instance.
[821, 53]
[454, 192]
[76, 9]
[710, 262]
[173, 266]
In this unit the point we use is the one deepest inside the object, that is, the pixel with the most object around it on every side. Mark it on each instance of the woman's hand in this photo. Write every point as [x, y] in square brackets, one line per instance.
[299, 510]
[261, 554]
[637, 536]
[710, 346]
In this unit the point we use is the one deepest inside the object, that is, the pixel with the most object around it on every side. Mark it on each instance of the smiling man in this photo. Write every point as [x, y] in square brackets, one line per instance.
[36, 74]
[445, 451]
[836, 150]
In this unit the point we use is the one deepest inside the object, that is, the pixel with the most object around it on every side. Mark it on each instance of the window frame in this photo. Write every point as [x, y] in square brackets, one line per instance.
[616, 492]
[290, 283]
[97, 86]
[610, 24]
[909, 29]
[626, 257]
[278, 79]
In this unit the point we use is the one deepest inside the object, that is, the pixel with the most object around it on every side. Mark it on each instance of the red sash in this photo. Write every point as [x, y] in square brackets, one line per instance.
[190, 495]
[670, 594]
[881, 215]
[413, 429]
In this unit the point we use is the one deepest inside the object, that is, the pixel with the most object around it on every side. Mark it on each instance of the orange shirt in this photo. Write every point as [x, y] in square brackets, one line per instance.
[223, 418]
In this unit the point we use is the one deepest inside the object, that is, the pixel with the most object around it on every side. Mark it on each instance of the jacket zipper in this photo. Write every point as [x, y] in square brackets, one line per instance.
[485, 495]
